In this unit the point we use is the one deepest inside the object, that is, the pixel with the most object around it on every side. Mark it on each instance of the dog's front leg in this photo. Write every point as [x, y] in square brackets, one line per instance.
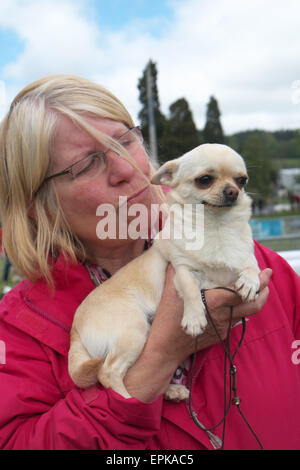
[194, 320]
[247, 284]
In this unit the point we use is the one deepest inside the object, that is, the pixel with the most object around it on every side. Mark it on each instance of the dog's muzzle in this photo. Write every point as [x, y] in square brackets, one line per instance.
[230, 195]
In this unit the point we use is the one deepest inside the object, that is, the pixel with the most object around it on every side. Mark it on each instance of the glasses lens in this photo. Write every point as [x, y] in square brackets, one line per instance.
[131, 138]
[138, 133]
[89, 166]
[94, 164]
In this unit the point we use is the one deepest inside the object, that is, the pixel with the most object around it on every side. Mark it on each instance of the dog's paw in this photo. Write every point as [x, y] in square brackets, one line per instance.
[194, 322]
[247, 286]
[176, 393]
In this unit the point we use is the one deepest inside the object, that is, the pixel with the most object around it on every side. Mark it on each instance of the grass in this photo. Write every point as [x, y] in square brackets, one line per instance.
[282, 245]
[276, 215]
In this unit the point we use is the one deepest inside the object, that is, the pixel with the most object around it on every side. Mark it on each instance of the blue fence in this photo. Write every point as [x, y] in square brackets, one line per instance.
[287, 227]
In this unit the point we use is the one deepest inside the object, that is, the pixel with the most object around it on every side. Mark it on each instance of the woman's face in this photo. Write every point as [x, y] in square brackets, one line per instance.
[81, 197]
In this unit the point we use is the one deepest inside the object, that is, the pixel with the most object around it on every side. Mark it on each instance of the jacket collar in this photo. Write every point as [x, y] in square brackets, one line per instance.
[46, 315]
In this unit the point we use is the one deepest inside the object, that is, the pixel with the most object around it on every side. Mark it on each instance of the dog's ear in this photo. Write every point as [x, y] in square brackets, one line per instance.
[166, 174]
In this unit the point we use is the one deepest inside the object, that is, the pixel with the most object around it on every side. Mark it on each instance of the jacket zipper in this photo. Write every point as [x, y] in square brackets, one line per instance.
[46, 315]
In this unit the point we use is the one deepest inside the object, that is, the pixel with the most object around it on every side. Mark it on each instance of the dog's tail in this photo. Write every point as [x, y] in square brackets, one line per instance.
[82, 369]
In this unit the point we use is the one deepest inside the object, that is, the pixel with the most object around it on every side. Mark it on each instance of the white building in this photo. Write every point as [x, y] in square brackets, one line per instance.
[290, 179]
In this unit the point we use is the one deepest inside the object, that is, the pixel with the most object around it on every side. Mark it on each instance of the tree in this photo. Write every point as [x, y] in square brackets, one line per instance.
[213, 132]
[260, 171]
[143, 115]
[180, 134]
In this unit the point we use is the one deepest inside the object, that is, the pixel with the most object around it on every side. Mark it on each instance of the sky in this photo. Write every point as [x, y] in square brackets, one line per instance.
[244, 52]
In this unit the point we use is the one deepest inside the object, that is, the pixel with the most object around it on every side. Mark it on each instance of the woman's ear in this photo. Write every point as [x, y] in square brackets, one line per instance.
[166, 174]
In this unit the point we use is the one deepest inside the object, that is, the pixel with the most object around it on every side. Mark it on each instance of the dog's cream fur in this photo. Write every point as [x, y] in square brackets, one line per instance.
[111, 325]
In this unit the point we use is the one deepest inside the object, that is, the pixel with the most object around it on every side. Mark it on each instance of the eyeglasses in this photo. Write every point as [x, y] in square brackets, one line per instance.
[95, 163]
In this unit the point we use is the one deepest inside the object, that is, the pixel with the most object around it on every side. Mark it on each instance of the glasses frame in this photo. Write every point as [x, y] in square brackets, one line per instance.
[68, 170]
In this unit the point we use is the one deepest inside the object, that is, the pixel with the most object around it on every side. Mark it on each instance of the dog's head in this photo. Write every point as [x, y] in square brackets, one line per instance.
[211, 174]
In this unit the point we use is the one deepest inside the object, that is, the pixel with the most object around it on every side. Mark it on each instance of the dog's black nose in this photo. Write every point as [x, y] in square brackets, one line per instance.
[230, 194]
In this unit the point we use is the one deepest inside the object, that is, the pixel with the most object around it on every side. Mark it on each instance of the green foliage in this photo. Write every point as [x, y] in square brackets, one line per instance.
[176, 134]
[180, 134]
[160, 120]
[281, 145]
[213, 132]
[265, 152]
[261, 175]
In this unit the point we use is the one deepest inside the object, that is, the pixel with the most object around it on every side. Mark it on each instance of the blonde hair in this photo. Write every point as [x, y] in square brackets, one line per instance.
[25, 148]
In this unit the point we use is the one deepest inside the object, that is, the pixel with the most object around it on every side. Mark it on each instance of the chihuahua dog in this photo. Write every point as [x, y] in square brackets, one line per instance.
[110, 327]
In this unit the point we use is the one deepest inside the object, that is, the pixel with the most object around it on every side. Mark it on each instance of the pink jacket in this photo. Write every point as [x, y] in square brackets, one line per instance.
[40, 408]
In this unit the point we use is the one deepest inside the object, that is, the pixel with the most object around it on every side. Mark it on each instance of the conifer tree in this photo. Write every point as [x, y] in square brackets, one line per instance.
[213, 132]
[180, 134]
[143, 114]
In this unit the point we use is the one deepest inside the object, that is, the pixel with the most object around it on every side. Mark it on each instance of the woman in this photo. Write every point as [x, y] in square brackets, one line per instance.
[67, 145]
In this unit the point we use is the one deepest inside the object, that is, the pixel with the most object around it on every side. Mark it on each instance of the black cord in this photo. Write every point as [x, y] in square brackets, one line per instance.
[226, 408]
[232, 377]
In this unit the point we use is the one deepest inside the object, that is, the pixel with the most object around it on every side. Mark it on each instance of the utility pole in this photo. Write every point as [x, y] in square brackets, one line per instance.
[152, 128]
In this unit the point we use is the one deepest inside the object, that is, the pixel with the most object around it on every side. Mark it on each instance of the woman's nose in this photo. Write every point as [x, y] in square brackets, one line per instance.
[120, 170]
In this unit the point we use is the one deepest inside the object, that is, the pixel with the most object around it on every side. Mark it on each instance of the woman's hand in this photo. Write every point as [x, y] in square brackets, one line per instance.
[168, 345]
[166, 331]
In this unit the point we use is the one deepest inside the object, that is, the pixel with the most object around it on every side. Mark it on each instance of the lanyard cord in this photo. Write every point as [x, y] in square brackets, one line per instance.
[98, 279]
[232, 377]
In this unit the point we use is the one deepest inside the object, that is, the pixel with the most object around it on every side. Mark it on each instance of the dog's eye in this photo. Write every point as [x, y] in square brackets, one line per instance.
[204, 181]
[241, 181]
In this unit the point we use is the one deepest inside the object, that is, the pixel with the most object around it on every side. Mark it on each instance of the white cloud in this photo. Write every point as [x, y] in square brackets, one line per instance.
[56, 38]
[245, 52]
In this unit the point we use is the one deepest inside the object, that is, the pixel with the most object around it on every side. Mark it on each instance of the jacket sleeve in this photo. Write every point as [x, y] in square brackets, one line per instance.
[286, 282]
[35, 415]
